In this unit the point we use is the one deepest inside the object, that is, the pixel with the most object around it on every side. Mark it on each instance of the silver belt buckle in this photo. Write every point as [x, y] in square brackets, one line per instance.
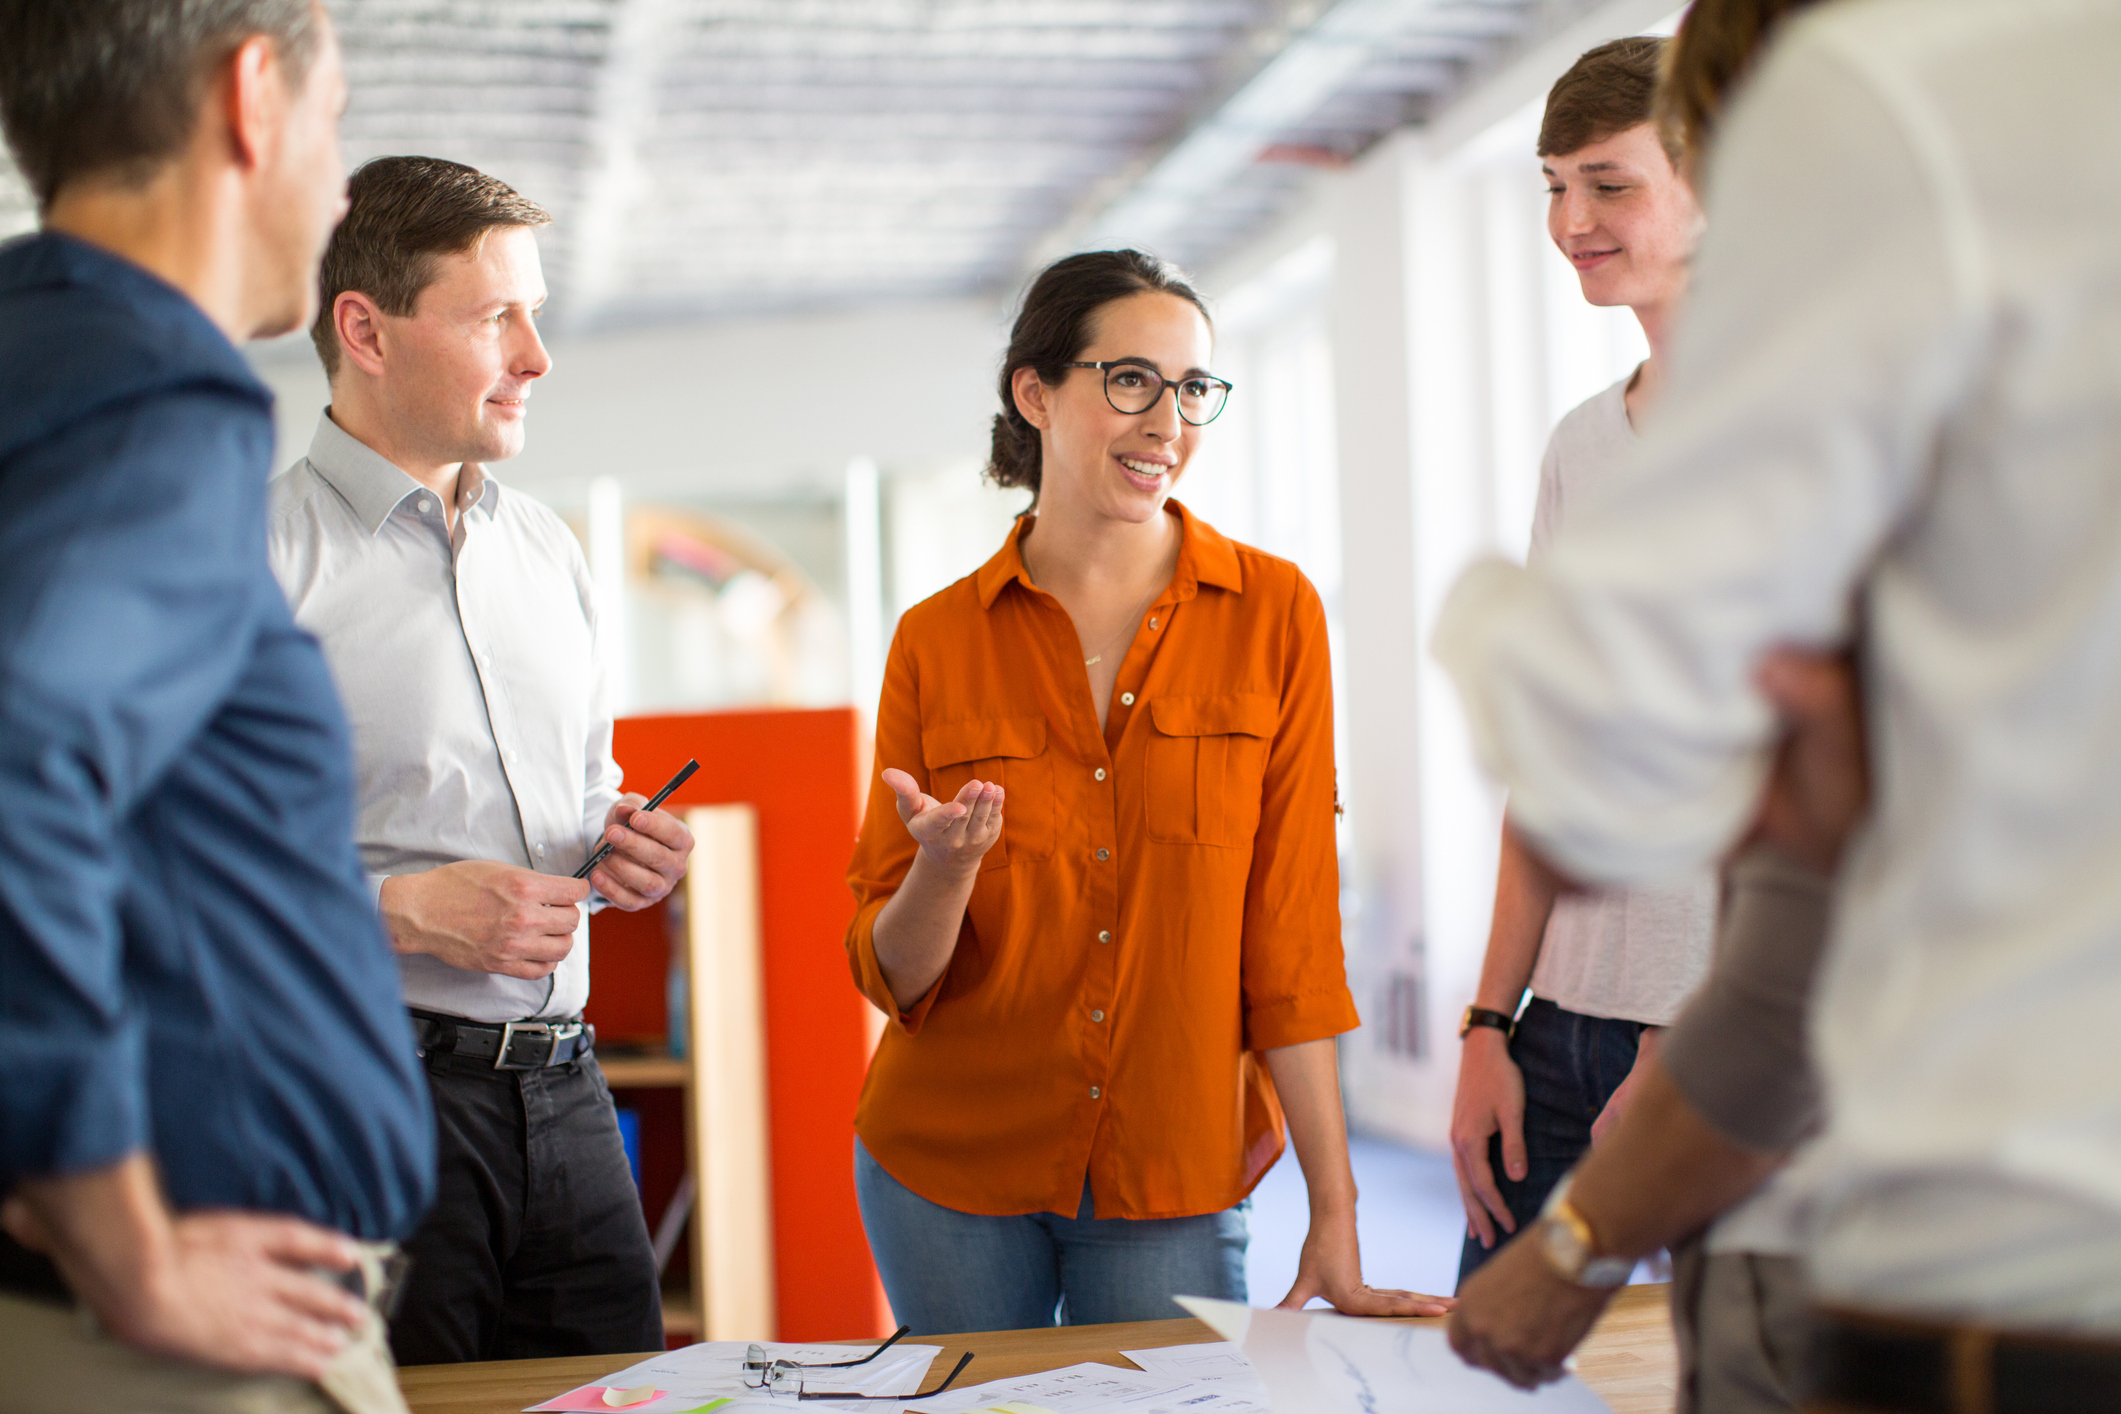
[511, 1029]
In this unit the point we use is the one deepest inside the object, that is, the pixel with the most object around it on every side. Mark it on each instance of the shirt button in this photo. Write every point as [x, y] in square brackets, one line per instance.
[1095, 1093]
[541, 849]
[1104, 854]
[1104, 936]
[1100, 773]
[1152, 623]
[1126, 699]
[1097, 1016]
[426, 505]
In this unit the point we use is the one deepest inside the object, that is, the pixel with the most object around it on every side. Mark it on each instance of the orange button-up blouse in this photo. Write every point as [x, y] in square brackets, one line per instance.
[1163, 902]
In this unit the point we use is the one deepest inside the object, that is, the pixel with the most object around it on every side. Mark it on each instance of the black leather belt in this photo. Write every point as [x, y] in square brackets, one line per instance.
[1864, 1362]
[510, 1045]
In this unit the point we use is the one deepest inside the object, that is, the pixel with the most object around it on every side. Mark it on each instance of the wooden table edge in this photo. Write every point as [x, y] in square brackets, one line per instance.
[1632, 1360]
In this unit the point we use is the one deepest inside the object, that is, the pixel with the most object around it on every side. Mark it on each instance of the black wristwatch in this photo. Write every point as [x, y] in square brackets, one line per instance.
[1481, 1016]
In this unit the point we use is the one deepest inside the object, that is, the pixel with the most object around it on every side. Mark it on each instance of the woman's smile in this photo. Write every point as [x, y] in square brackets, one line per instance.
[1144, 472]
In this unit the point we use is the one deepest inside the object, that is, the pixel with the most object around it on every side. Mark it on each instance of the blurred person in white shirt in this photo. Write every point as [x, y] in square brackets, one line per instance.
[1893, 407]
[1731, 1089]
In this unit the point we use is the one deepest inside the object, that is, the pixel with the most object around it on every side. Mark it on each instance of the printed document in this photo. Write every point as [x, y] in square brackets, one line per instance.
[710, 1376]
[1327, 1364]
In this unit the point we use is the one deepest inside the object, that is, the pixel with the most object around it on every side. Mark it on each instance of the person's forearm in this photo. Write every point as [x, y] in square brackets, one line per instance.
[1307, 1077]
[1524, 901]
[916, 931]
[1662, 1173]
[108, 1231]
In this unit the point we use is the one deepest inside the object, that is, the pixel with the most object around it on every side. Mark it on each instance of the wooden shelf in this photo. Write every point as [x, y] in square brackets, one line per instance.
[641, 1070]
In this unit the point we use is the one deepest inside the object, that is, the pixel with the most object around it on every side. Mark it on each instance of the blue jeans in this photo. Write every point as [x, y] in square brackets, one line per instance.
[1572, 1064]
[947, 1271]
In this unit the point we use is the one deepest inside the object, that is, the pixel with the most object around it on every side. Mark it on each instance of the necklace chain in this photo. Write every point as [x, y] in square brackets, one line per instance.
[1132, 627]
[1133, 620]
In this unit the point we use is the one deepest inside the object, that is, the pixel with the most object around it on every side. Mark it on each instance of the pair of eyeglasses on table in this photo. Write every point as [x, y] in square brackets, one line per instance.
[762, 1372]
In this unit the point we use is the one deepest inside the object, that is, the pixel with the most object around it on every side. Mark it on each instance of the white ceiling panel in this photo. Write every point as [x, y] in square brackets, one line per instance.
[716, 157]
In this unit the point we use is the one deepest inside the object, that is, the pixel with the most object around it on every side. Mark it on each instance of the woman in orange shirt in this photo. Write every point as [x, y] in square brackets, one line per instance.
[1098, 894]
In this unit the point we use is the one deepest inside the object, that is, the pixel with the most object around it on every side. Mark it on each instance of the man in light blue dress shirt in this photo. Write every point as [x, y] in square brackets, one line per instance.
[460, 623]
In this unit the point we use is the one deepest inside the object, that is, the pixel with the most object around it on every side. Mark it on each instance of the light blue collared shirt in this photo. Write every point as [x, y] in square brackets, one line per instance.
[470, 668]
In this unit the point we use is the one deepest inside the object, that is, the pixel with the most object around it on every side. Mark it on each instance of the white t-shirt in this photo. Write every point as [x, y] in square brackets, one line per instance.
[1631, 953]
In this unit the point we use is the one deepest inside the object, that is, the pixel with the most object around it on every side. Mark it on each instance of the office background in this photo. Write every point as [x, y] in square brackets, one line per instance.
[787, 237]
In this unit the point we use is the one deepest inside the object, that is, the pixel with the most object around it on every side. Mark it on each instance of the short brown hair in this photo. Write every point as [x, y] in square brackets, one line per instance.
[1605, 92]
[113, 87]
[1716, 46]
[402, 215]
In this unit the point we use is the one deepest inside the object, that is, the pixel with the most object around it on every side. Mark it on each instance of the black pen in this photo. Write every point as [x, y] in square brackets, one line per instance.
[660, 796]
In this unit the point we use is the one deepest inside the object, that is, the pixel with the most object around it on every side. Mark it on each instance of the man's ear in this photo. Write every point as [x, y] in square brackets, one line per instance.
[359, 324]
[253, 98]
[1030, 395]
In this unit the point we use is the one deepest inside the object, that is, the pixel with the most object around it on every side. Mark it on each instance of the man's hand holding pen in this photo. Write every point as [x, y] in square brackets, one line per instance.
[482, 916]
[649, 852]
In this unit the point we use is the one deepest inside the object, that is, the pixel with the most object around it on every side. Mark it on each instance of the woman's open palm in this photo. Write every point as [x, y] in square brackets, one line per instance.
[954, 834]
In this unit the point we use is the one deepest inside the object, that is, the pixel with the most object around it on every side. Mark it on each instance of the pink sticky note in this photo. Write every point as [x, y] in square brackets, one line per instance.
[589, 1399]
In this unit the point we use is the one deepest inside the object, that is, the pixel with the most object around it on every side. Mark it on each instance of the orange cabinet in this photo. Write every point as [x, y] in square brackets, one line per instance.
[759, 1112]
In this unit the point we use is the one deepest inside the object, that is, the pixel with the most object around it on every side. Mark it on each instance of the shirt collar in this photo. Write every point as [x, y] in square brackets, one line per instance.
[1204, 557]
[374, 485]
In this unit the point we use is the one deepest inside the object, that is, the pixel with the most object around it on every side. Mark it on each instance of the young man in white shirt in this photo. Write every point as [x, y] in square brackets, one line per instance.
[1606, 970]
[460, 623]
[1895, 409]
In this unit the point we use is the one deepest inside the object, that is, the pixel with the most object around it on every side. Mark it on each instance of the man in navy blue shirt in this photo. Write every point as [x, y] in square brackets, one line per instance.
[211, 1124]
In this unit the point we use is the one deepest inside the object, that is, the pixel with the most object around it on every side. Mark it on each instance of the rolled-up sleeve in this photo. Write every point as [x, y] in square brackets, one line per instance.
[885, 851]
[1610, 686]
[1738, 1052]
[1293, 972]
[116, 644]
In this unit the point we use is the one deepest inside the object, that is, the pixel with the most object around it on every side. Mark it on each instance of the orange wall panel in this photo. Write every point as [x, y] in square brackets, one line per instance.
[799, 769]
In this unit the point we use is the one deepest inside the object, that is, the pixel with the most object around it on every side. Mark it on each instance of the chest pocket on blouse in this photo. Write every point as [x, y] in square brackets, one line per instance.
[1207, 762]
[1010, 751]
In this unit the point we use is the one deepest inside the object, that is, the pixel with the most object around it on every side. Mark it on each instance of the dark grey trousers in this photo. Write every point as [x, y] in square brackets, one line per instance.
[536, 1245]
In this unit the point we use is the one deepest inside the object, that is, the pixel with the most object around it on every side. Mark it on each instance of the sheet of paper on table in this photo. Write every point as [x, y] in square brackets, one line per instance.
[1327, 1364]
[1091, 1389]
[712, 1373]
[1214, 1362]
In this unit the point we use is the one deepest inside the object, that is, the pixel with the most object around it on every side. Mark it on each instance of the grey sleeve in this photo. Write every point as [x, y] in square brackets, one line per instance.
[1738, 1051]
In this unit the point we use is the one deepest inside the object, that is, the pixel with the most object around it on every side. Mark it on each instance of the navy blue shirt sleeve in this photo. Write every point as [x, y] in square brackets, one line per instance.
[125, 616]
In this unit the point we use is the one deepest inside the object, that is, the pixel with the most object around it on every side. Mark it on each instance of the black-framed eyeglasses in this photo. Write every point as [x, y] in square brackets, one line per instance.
[1134, 388]
[775, 1376]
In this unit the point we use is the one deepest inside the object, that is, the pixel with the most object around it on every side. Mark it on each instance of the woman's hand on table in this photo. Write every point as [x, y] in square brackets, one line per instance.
[953, 834]
[1331, 1267]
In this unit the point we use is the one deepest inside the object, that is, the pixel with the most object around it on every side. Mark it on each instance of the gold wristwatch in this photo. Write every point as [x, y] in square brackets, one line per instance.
[1481, 1016]
[1570, 1247]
